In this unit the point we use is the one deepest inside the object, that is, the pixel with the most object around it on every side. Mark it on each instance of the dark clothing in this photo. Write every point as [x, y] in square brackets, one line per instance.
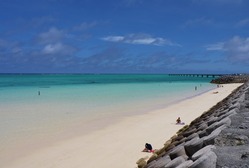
[148, 146]
[178, 121]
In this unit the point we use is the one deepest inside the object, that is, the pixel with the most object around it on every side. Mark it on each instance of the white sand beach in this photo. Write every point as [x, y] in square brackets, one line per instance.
[120, 145]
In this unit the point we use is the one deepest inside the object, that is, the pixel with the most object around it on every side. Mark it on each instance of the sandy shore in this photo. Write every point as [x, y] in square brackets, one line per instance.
[120, 145]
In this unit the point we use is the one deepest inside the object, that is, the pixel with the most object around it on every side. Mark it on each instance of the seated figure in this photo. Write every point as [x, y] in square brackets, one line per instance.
[178, 121]
[148, 148]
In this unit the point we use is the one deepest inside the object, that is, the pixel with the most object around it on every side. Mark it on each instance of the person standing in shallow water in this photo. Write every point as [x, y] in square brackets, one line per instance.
[39, 93]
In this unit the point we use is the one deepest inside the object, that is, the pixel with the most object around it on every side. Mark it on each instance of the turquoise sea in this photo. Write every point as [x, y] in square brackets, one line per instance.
[35, 105]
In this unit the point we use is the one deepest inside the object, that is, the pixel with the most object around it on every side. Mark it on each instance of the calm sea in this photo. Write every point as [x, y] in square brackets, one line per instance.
[38, 104]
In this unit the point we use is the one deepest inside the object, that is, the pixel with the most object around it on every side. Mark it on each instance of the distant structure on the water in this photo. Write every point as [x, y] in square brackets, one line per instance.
[199, 75]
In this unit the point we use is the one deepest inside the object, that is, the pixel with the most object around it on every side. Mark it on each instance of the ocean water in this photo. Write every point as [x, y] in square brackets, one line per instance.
[38, 105]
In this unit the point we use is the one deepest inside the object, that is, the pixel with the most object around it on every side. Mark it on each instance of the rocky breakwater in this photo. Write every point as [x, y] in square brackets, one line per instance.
[218, 138]
[231, 79]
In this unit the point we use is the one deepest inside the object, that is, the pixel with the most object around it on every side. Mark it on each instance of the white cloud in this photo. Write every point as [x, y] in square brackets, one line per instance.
[113, 38]
[52, 48]
[58, 48]
[51, 36]
[143, 39]
[236, 49]
[238, 44]
[217, 46]
[53, 42]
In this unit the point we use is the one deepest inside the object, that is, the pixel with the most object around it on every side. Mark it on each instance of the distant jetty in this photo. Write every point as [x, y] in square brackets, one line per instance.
[242, 78]
[198, 75]
[218, 138]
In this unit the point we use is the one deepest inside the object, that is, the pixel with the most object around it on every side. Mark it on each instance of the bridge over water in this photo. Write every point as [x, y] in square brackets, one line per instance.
[199, 75]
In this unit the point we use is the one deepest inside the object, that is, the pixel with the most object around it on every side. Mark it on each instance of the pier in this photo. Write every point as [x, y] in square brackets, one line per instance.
[199, 75]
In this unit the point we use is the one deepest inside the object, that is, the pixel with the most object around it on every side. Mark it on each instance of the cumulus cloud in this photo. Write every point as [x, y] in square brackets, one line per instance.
[143, 39]
[52, 48]
[58, 48]
[51, 36]
[55, 41]
[236, 49]
[217, 46]
[113, 38]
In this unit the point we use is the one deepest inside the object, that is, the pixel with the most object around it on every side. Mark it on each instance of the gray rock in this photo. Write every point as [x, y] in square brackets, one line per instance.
[202, 151]
[179, 138]
[234, 110]
[209, 140]
[231, 156]
[177, 143]
[193, 146]
[211, 120]
[190, 137]
[160, 162]
[185, 164]
[176, 162]
[202, 126]
[202, 133]
[227, 114]
[182, 141]
[153, 157]
[150, 165]
[189, 132]
[235, 105]
[241, 98]
[178, 151]
[226, 121]
[205, 161]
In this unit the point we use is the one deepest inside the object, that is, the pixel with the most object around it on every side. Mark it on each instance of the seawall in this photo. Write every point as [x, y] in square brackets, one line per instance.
[218, 138]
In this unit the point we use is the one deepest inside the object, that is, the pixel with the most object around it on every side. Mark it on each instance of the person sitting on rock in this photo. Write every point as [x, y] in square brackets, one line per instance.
[148, 148]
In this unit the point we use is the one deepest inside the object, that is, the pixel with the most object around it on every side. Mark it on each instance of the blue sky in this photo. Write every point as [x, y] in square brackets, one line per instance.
[124, 36]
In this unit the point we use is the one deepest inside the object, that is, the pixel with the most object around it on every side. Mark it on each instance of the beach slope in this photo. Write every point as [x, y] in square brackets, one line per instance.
[120, 145]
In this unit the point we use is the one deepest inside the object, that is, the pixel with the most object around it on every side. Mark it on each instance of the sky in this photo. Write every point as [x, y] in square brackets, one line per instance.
[124, 36]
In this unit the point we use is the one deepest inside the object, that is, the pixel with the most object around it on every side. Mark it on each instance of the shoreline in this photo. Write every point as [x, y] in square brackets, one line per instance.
[49, 135]
[217, 138]
[120, 144]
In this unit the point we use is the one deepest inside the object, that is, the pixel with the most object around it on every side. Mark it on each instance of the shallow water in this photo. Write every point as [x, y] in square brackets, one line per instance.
[43, 105]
